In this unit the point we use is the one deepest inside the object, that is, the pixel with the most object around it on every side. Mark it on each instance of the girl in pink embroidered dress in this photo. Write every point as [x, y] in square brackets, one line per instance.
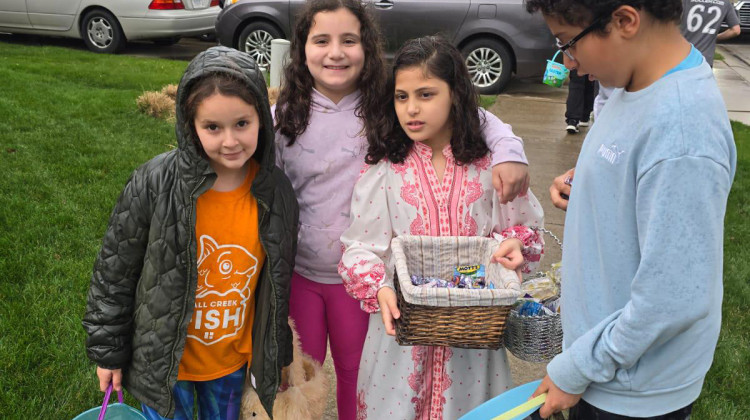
[429, 176]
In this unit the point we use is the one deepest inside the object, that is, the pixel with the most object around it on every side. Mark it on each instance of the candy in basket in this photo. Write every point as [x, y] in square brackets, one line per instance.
[465, 317]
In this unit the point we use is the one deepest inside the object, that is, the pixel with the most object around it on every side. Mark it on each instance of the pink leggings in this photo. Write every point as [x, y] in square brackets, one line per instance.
[323, 310]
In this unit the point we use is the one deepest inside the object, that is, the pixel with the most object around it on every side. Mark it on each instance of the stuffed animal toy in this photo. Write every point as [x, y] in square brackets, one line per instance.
[303, 392]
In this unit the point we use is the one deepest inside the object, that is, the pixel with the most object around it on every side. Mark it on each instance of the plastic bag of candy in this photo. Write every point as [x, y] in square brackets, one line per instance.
[541, 288]
[470, 276]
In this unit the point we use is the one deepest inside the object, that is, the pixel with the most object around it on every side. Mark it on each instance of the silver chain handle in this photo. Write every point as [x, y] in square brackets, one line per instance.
[548, 232]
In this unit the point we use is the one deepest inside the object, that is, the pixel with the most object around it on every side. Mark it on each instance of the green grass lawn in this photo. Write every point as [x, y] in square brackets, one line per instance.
[71, 136]
[724, 393]
[486, 101]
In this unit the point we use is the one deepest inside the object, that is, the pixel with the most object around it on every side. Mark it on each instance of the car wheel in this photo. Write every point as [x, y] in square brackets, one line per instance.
[167, 41]
[256, 39]
[490, 64]
[101, 32]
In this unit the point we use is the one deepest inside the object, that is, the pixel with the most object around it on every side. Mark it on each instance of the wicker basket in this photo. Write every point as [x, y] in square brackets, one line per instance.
[451, 317]
[534, 338]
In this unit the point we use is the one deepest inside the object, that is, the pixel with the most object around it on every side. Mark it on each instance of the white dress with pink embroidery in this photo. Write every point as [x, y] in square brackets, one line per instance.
[424, 382]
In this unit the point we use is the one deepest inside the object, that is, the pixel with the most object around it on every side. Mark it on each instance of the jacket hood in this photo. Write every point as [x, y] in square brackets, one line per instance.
[241, 66]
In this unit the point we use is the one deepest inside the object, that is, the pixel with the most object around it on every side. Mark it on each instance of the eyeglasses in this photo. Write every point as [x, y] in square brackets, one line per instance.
[564, 47]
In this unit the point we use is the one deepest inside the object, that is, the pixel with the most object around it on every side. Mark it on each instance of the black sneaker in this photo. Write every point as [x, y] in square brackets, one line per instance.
[572, 127]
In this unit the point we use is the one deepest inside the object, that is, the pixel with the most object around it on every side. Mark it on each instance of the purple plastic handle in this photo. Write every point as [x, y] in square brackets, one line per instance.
[107, 394]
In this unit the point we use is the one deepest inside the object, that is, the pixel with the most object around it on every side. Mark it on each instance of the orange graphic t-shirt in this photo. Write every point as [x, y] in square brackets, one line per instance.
[230, 257]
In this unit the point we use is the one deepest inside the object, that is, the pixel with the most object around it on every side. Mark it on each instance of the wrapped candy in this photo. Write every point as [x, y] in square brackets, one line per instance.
[430, 282]
[464, 277]
[470, 277]
[540, 288]
[532, 308]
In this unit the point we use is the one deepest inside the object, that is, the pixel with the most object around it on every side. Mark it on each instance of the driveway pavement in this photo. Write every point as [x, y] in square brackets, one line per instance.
[733, 76]
[184, 50]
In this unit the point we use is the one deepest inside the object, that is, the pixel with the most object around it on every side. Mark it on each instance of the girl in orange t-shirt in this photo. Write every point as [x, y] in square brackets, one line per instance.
[200, 250]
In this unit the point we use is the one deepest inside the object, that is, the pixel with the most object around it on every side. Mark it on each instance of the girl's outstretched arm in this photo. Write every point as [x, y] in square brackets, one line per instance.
[510, 171]
[366, 263]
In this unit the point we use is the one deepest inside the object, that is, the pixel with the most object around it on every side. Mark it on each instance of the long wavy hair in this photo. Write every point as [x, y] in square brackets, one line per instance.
[438, 58]
[295, 98]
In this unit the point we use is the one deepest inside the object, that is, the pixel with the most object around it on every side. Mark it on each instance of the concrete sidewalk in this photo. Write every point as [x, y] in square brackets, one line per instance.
[733, 77]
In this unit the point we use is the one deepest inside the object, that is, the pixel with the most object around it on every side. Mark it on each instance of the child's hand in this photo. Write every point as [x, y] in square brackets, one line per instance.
[106, 376]
[559, 191]
[509, 255]
[388, 309]
[557, 399]
[510, 180]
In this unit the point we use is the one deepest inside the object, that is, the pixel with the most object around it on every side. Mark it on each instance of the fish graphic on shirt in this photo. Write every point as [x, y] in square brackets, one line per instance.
[223, 292]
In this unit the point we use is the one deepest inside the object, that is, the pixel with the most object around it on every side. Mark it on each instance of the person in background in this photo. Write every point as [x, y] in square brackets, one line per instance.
[580, 102]
[701, 23]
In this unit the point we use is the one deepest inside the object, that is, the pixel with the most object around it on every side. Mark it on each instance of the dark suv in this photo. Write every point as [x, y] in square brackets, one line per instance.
[497, 37]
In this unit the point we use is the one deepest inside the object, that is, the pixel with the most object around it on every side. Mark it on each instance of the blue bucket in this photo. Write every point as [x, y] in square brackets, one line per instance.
[117, 411]
[505, 402]
[556, 73]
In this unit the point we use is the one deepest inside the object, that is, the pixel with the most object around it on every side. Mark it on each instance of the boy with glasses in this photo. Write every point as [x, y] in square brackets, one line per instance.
[642, 259]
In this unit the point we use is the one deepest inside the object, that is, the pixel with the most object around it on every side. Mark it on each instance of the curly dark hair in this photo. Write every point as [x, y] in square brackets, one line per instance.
[439, 59]
[583, 12]
[294, 104]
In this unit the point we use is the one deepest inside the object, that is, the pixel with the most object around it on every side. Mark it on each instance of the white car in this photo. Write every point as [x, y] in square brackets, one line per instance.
[105, 25]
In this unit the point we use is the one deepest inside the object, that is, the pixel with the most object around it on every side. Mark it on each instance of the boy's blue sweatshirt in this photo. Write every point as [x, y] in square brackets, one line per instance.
[642, 259]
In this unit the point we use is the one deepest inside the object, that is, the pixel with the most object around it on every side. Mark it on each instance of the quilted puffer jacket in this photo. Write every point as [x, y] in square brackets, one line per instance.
[144, 282]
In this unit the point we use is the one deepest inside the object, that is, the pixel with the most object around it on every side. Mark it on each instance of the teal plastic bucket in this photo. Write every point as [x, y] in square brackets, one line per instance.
[556, 73]
[117, 411]
[114, 412]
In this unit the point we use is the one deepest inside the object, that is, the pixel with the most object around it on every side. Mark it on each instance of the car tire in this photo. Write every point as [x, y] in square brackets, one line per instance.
[101, 32]
[165, 42]
[490, 64]
[255, 39]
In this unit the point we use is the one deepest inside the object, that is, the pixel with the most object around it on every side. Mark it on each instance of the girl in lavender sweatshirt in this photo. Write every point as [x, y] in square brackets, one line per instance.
[335, 84]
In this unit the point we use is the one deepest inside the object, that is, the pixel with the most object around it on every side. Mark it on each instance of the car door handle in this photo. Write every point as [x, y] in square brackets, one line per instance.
[384, 5]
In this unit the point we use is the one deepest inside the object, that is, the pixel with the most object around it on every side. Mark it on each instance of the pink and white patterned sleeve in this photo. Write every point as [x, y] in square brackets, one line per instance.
[515, 220]
[366, 265]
